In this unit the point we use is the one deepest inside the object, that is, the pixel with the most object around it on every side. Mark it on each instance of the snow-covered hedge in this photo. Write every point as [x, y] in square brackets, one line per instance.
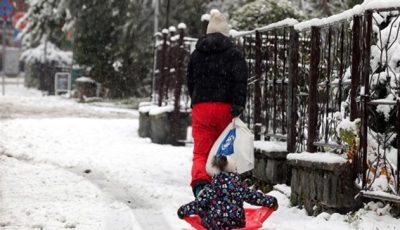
[53, 54]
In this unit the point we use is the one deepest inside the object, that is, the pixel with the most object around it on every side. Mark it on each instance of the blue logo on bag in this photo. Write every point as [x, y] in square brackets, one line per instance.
[226, 146]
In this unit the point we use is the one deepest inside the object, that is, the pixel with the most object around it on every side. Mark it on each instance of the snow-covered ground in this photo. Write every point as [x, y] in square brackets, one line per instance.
[65, 165]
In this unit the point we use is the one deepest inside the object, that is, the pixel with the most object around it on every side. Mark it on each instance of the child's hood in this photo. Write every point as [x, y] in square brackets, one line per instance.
[225, 181]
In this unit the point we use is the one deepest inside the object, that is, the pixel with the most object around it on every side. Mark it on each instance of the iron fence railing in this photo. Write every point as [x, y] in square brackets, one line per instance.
[168, 84]
[379, 154]
[306, 78]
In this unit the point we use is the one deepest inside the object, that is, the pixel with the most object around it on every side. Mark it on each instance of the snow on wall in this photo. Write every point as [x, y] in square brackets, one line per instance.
[321, 157]
[270, 146]
[159, 110]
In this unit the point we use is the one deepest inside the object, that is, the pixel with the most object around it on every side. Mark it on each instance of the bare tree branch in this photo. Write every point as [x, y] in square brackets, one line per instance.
[327, 9]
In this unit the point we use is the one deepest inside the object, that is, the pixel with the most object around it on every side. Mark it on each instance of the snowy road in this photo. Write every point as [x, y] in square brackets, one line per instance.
[65, 165]
[93, 153]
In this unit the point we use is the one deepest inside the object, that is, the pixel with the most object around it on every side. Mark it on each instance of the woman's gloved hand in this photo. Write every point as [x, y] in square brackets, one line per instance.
[236, 110]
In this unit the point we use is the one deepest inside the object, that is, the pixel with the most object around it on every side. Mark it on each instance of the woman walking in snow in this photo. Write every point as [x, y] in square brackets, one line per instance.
[220, 205]
[217, 82]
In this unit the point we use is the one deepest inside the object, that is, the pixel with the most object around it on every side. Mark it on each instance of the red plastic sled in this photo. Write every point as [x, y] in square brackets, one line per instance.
[255, 218]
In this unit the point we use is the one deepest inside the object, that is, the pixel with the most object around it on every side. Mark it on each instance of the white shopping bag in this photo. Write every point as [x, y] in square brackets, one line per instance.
[237, 141]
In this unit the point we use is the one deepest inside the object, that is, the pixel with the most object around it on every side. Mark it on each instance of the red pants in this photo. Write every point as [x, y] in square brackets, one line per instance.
[208, 122]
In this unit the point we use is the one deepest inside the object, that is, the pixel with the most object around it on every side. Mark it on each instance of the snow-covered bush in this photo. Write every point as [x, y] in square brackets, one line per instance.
[53, 54]
[263, 12]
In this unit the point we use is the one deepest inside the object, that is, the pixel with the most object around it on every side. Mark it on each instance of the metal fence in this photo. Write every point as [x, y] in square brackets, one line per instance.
[306, 78]
[171, 56]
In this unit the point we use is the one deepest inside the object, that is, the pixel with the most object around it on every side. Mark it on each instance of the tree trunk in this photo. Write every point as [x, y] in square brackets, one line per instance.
[327, 9]
[167, 19]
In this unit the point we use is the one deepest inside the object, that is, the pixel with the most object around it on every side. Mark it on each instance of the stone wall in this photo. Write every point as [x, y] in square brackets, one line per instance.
[271, 167]
[323, 187]
[158, 127]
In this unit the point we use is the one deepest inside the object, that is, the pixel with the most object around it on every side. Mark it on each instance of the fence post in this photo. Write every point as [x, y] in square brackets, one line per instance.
[355, 67]
[155, 65]
[204, 23]
[267, 91]
[178, 85]
[163, 68]
[283, 102]
[169, 63]
[274, 84]
[293, 76]
[365, 93]
[312, 96]
[257, 87]
[341, 68]
[398, 144]
[328, 84]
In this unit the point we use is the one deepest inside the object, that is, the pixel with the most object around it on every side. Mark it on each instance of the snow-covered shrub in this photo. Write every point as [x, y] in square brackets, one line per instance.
[53, 54]
[263, 12]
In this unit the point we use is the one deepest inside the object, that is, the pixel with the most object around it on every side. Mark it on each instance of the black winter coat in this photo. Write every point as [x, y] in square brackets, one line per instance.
[217, 71]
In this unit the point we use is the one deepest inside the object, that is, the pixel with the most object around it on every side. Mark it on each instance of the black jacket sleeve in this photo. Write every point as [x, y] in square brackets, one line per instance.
[240, 77]
[189, 77]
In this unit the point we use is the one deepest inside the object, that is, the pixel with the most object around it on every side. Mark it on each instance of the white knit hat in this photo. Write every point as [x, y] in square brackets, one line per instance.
[218, 23]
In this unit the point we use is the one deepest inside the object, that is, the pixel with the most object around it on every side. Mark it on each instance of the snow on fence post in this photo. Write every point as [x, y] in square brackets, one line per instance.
[163, 68]
[312, 97]
[180, 49]
[257, 88]
[293, 80]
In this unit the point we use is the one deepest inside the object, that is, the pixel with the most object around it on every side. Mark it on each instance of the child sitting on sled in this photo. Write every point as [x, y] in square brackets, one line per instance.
[220, 205]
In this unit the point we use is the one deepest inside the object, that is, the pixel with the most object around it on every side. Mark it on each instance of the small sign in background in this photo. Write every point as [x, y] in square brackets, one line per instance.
[62, 83]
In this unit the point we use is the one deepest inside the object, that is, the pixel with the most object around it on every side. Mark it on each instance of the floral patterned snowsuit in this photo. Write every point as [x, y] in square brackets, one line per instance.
[220, 205]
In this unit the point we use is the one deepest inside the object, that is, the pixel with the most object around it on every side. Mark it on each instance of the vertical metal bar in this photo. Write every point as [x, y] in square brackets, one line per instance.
[398, 149]
[250, 48]
[341, 67]
[355, 66]
[204, 25]
[245, 54]
[293, 77]
[365, 94]
[163, 69]
[283, 91]
[168, 64]
[328, 84]
[267, 85]
[257, 87]
[312, 96]
[276, 71]
[153, 76]
[178, 87]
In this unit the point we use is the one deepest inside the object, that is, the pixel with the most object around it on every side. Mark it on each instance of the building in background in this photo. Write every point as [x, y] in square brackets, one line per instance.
[11, 31]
